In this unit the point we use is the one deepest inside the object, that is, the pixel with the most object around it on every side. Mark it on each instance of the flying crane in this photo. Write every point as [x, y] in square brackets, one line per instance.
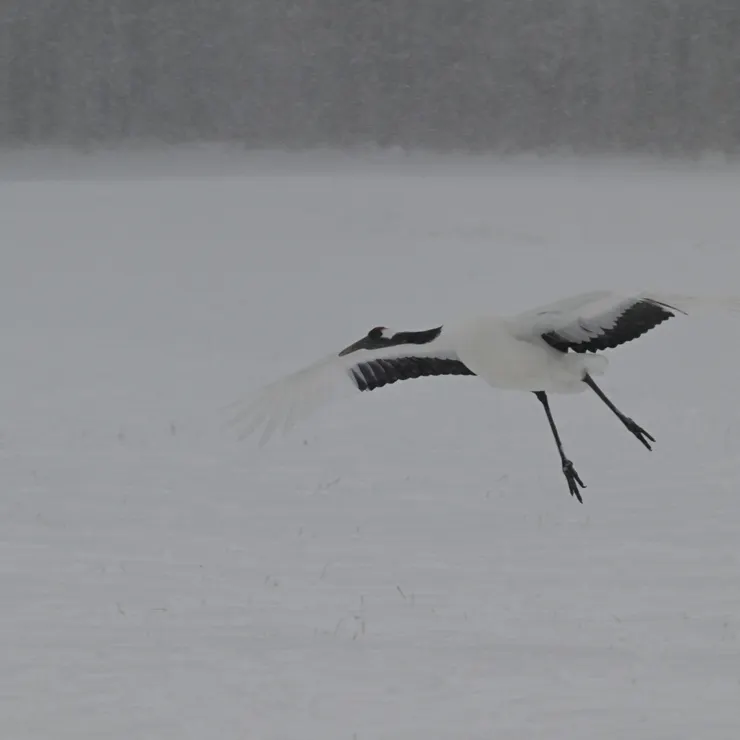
[551, 349]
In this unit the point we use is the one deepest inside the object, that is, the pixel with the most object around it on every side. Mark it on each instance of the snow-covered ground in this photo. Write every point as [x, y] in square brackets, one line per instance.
[408, 565]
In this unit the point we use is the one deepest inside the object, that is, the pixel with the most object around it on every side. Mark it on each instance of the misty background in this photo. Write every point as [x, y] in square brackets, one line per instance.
[500, 75]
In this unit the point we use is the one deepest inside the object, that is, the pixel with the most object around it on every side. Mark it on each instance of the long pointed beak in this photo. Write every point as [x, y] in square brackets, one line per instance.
[358, 345]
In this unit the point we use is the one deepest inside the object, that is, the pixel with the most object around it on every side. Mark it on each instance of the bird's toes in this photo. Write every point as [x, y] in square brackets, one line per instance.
[571, 473]
[574, 491]
[648, 435]
[574, 480]
[639, 432]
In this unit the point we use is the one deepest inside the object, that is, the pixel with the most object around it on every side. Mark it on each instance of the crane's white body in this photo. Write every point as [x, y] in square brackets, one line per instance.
[490, 347]
[505, 352]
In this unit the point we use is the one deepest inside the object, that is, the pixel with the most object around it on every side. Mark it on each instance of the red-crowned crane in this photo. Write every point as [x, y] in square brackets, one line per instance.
[551, 349]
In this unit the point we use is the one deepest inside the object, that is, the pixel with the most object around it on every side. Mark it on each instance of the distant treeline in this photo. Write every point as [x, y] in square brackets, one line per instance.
[504, 75]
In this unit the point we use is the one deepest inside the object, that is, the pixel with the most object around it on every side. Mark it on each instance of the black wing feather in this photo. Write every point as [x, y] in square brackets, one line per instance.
[376, 373]
[634, 321]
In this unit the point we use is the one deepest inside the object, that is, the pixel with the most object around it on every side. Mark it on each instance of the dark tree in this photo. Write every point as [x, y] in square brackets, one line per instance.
[503, 75]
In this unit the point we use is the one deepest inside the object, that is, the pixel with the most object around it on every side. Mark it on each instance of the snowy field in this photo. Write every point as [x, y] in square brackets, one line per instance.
[409, 565]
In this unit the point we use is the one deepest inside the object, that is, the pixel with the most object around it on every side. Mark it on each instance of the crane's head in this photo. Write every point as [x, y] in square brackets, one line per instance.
[377, 337]
[379, 333]
[380, 336]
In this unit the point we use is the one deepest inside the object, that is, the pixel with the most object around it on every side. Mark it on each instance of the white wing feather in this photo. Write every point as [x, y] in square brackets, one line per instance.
[581, 317]
[291, 399]
[295, 397]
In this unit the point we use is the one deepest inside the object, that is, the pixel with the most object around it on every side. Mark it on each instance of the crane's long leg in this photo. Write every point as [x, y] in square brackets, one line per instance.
[635, 428]
[574, 480]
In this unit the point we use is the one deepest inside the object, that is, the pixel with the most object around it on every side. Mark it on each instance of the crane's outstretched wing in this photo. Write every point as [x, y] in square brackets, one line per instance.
[601, 320]
[297, 396]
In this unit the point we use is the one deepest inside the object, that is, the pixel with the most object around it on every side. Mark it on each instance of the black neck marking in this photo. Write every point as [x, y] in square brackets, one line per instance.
[376, 339]
[414, 337]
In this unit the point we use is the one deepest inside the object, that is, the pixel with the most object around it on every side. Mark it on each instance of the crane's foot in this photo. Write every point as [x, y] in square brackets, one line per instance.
[638, 431]
[574, 480]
